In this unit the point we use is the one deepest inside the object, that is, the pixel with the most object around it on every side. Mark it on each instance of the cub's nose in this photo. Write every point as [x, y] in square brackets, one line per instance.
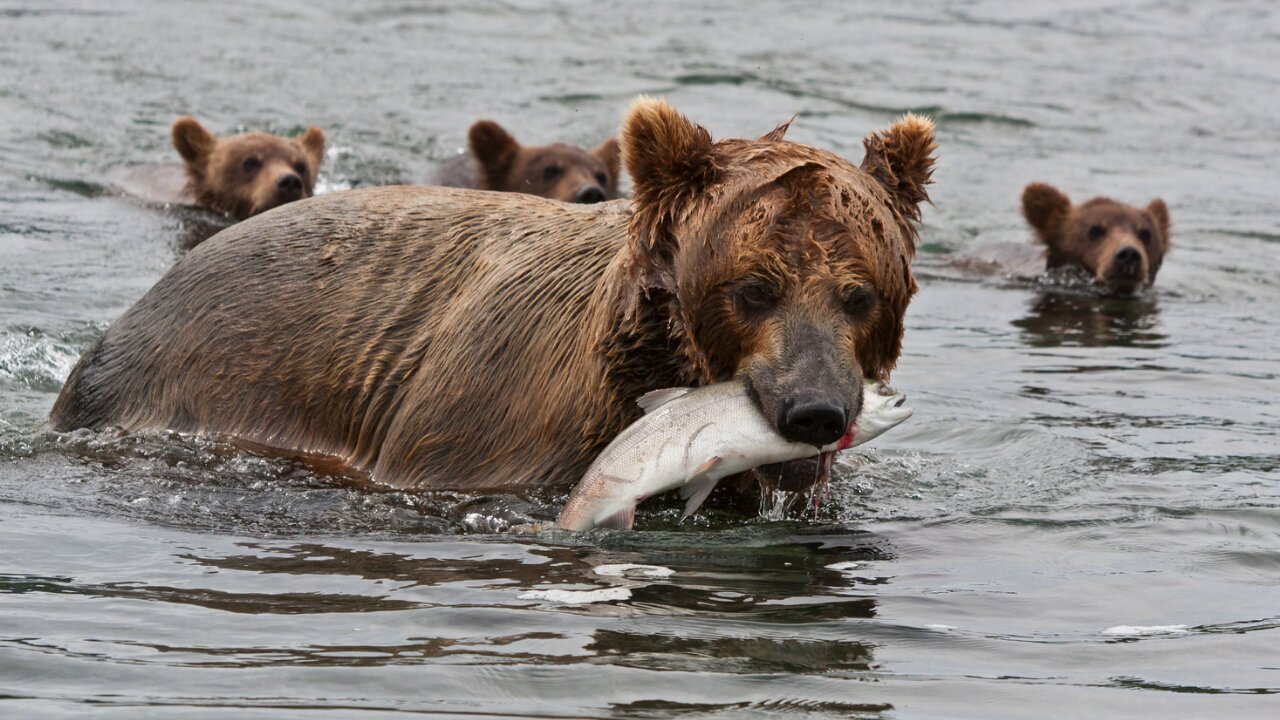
[813, 420]
[1129, 258]
[289, 185]
[590, 194]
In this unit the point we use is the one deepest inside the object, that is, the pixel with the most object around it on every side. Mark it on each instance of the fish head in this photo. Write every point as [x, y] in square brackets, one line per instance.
[882, 408]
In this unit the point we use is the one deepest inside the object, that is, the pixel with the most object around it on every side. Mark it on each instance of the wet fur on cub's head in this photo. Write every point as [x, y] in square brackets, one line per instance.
[1122, 246]
[776, 261]
[249, 173]
[560, 172]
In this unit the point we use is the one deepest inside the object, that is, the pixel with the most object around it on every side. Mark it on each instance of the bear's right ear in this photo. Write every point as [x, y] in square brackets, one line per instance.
[670, 160]
[1046, 208]
[495, 150]
[191, 140]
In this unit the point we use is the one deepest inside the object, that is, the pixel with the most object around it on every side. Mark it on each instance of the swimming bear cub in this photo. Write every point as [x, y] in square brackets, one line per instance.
[439, 338]
[249, 173]
[1121, 246]
[496, 161]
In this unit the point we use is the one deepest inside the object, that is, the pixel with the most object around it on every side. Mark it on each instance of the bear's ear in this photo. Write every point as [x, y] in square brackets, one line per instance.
[1046, 208]
[191, 140]
[1160, 214]
[312, 142]
[609, 153]
[901, 159]
[670, 160]
[495, 150]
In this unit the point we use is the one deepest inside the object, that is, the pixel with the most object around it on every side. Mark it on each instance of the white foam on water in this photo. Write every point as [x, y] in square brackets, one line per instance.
[1141, 630]
[578, 597]
[626, 569]
[850, 565]
[940, 627]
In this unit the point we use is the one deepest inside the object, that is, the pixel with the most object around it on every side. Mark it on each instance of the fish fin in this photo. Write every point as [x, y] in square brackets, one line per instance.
[621, 520]
[699, 490]
[655, 399]
[699, 485]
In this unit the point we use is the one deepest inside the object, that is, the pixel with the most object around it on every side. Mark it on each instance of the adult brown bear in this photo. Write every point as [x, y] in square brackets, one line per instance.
[439, 338]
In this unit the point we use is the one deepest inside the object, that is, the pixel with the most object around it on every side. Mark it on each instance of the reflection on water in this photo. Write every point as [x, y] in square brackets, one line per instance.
[1064, 318]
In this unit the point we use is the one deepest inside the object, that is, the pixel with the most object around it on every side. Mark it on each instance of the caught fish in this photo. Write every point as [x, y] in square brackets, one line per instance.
[690, 438]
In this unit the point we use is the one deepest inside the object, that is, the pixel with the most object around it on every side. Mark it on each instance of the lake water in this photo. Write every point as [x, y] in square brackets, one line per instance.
[1081, 520]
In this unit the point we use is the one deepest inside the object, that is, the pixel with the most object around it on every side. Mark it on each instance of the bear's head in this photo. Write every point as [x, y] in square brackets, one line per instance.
[776, 262]
[246, 174]
[1120, 245]
[560, 172]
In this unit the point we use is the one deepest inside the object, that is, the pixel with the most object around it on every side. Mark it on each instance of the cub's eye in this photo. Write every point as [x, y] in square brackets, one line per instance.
[602, 178]
[251, 164]
[1096, 232]
[754, 298]
[1145, 236]
[859, 302]
[300, 168]
[551, 172]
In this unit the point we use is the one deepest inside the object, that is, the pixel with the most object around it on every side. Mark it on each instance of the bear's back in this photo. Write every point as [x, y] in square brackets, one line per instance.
[301, 327]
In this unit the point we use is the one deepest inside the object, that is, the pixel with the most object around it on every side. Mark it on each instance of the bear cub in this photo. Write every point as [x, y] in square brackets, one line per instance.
[1121, 246]
[249, 173]
[496, 161]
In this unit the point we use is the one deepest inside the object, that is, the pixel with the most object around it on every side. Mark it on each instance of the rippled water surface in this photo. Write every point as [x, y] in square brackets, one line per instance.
[1081, 520]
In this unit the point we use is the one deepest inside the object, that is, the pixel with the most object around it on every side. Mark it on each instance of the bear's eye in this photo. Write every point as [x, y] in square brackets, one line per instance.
[551, 172]
[251, 164]
[300, 168]
[754, 298]
[1145, 236]
[602, 178]
[859, 302]
[1096, 232]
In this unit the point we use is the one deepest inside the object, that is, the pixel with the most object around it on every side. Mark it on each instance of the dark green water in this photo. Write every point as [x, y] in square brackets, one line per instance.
[1076, 464]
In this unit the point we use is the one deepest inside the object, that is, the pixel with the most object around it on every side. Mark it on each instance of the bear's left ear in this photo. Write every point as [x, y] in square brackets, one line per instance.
[1160, 214]
[495, 150]
[312, 142]
[609, 153]
[901, 159]
[670, 160]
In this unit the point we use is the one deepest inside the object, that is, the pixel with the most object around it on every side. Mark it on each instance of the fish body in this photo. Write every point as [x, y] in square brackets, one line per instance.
[693, 437]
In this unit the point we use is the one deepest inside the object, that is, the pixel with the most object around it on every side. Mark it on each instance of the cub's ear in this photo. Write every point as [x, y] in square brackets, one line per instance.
[1160, 214]
[495, 150]
[901, 159]
[609, 153]
[1046, 208]
[312, 142]
[191, 140]
[670, 160]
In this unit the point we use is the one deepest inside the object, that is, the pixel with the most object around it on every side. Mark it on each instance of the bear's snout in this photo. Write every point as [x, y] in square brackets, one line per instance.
[813, 419]
[289, 185]
[590, 194]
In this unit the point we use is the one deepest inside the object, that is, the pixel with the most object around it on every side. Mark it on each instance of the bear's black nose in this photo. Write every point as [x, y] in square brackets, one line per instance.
[289, 184]
[1128, 257]
[590, 194]
[813, 420]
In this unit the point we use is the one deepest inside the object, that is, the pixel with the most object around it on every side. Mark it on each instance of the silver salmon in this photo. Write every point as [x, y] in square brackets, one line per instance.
[690, 438]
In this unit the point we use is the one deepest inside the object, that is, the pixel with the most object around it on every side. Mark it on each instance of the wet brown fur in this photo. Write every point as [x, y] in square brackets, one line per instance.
[497, 161]
[441, 338]
[1091, 235]
[218, 178]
